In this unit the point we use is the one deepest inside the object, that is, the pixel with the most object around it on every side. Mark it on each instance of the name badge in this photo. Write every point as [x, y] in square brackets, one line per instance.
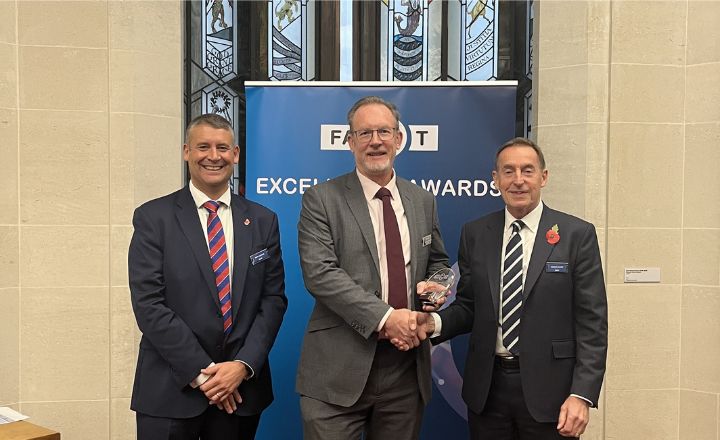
[259, 256]
[426, 240]
[555, 267]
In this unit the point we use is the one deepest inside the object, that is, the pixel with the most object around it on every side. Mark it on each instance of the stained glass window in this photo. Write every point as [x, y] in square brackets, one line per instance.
[293, 55]
[231, 41]
[473, 39]
[410, 43]
[528, 67]
[212, 64]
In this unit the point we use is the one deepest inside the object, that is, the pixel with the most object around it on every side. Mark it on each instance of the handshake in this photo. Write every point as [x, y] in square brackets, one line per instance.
[405, 328]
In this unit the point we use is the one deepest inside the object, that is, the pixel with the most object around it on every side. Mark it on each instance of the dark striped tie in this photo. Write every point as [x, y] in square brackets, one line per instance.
[512, 290]
[220, 263]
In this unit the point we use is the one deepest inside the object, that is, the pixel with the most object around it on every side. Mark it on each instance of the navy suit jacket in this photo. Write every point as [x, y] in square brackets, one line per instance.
[176, 305]
[563, 326]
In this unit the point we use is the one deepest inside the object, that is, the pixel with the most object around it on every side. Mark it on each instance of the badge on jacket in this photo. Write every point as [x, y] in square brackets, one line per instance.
[556, 267]
[258, 257]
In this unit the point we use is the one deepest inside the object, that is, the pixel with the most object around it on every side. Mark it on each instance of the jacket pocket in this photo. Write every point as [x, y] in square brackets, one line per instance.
[324, 323]
[563, 348]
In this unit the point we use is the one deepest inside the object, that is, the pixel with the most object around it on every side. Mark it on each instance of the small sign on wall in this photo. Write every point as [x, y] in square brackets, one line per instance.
[642, 274]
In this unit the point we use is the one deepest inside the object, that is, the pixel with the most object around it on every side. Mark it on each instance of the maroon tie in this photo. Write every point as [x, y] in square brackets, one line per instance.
[397, 284]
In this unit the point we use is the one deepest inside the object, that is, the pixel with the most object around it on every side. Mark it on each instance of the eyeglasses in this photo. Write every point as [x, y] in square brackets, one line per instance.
[364, 136]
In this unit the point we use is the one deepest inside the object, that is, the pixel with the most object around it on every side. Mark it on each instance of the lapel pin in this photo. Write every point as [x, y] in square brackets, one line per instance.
[553, 234]
[247, 221]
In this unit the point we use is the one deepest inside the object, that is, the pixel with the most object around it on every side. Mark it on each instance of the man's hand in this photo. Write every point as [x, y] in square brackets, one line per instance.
[423, 288]
[425, 328]
[574, 417]
[229, 404]
[401, 326]
[426, 325]
[225, 378]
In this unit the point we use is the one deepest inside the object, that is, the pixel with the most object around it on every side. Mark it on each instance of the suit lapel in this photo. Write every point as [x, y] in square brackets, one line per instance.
[187, 216]
[541, 251]
[494, 254]
[242, 245]
[359, 208]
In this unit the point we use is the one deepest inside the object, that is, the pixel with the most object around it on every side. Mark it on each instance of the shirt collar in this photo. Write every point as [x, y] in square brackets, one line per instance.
[531, 220]
[370, 188]
[200, 197]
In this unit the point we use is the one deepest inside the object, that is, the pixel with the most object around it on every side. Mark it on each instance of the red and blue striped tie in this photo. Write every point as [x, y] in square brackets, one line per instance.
[220, 263]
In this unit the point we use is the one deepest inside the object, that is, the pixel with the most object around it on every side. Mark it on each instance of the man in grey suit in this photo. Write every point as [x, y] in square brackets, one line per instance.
[361, 274]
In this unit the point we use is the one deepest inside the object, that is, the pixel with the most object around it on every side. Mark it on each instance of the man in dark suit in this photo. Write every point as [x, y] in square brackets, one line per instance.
[361, 274]
[207, 287]
[532, 293]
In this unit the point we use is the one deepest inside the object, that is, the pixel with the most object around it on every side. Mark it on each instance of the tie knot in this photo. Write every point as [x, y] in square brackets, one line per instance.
[517, 225]
[211, 205]
[383, 192]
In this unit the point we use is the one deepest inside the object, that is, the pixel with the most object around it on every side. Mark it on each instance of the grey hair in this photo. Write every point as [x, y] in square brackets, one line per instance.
[373, 100]
[213, 120]
[521, 141]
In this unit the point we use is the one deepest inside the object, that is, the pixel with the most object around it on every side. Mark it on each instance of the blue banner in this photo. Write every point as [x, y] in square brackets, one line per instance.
[296, 138]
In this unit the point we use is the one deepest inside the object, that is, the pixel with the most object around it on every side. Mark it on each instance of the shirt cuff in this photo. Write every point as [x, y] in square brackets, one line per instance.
[592, 405]
[438, 325]
[249, 368]
[201, 378]
[384, 318]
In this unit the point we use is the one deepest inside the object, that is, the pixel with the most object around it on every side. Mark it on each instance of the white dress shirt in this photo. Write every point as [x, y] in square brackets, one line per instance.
[226, 219]
[225, 214]
[375, 207]
[527, 234]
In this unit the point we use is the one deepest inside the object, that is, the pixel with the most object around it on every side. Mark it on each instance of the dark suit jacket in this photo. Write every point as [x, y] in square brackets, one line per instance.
[563, 326]
[175, 300]
[338, 254]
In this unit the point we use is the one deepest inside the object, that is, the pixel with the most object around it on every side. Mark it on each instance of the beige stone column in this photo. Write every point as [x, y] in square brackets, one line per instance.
[700, 268]
[90, 118]
[9, 221]
[146, 126]
[571, 86]
[629, 108]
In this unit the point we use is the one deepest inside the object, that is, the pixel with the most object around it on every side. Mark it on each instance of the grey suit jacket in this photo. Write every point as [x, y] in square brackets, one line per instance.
[338, 255]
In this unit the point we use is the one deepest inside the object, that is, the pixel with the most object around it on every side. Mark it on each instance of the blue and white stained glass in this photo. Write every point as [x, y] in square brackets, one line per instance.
[291, 40]
[410, 44]
[220, 100]
[219, 39]
[473, 39]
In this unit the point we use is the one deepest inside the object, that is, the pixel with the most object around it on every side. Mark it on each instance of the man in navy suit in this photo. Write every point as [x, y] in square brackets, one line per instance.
[532, 294]
[208, 321]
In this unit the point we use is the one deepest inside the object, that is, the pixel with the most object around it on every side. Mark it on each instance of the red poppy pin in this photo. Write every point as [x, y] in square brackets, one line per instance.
[553, 234]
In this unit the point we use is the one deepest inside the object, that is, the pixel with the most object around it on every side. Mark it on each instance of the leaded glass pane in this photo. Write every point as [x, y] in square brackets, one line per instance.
[529, 52]
[410, 40]
[291, 39]
[472, 40]
[213, 63]
[219, 42]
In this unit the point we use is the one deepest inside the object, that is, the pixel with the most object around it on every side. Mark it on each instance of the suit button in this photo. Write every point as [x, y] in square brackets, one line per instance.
[218, 347]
